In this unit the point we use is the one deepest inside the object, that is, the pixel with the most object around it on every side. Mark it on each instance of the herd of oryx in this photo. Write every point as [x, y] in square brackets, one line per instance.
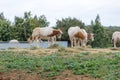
[77, 35]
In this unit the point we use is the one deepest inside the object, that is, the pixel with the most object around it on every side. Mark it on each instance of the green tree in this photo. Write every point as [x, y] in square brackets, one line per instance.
[101, 38]
[25, 25]
[4, 28]
[64, 24]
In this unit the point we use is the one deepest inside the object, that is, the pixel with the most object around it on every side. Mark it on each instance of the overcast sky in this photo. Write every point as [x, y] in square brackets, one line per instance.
[85, 10]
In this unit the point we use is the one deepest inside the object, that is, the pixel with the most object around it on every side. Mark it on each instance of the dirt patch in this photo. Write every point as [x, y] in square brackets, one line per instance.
[44, 51]
[92, 50]
[21, 75]
[67, 75]
[40, 51]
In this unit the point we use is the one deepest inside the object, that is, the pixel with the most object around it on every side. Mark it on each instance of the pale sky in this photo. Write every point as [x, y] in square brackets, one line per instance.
[85, 10]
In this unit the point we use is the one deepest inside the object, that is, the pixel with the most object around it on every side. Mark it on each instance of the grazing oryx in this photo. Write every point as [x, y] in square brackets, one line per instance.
[76, 35]
[115, 37]
[47, 33]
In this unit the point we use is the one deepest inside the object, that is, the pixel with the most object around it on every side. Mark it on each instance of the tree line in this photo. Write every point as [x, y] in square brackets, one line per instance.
[22, 28]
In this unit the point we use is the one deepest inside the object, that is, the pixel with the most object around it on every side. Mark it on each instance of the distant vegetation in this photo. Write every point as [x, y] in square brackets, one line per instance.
[22, 28]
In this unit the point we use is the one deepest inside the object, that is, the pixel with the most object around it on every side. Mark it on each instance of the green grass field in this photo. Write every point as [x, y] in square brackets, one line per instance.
[105, 66]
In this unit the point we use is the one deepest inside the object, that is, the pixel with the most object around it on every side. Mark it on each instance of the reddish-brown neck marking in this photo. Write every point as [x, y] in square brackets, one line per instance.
[80, 35]
[55, 32]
